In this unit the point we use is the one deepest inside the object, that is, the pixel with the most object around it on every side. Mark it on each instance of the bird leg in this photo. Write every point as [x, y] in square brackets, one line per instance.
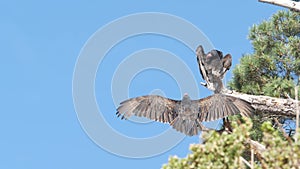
[226, 124]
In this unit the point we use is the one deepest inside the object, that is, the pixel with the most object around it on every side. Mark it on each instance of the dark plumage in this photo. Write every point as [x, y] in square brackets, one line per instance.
[184, 115]
[220, 54]
[212, 62]
[227, 61]
[201, 58]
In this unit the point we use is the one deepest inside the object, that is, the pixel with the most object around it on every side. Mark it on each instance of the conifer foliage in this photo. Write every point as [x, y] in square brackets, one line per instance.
[225, 151]
[274, 67]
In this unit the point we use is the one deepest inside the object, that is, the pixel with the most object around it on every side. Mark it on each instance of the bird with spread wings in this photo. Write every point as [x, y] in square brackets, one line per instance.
[186, 115]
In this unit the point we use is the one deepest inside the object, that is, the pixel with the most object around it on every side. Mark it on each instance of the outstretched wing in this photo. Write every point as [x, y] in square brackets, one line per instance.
[219, 106]
[152, 106]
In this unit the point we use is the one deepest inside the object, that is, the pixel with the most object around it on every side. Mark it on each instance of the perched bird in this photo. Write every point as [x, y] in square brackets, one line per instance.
[184, 115]
[213, 67]
[211, 62]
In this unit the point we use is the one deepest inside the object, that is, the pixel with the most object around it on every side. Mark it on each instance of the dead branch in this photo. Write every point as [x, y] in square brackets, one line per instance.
[269, 105]
[284, 3]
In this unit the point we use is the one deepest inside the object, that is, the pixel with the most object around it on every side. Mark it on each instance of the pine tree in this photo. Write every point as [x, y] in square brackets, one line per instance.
[273, 69]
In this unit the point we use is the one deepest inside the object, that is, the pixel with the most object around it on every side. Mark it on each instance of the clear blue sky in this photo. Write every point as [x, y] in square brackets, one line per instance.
[40, 43]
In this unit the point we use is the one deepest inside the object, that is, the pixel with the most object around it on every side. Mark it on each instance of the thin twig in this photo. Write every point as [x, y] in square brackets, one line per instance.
[283, 132]
[245, 161]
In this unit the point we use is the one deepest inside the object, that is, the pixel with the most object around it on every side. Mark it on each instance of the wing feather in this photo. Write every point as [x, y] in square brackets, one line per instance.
[152, 106]
[219, 106]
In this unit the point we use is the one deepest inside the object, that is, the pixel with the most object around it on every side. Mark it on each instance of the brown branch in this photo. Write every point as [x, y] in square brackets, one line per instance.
[284, 3]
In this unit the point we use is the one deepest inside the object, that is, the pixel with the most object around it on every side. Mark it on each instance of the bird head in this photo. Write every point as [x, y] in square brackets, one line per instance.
[186, 96]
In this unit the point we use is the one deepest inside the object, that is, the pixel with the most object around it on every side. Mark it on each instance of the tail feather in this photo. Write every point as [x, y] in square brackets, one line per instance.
[189, 127]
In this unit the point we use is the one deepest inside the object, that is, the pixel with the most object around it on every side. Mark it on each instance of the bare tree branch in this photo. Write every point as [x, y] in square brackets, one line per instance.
[284, 3]
[269, 105]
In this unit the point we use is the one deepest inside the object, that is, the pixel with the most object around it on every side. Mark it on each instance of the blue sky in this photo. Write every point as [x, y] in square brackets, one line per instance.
[40, 44]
